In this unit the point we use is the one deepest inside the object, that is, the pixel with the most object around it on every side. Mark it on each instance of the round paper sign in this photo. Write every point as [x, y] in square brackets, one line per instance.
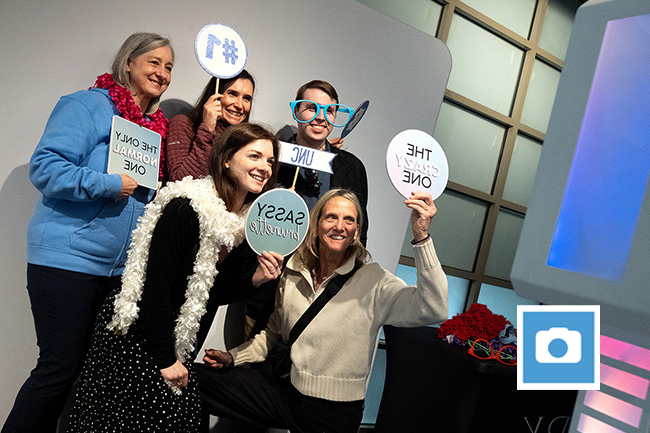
[415, 161]
[356, 117]
[277, 221]
[220, 50]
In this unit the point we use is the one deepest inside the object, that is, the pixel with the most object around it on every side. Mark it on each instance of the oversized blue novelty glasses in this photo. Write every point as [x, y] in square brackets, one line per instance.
[304, 111]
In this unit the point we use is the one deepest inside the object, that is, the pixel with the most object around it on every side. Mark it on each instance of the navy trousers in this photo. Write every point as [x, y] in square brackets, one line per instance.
[64, 305]
[252, 395]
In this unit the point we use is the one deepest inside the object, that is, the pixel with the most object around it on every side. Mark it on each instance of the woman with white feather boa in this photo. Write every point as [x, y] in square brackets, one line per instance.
[138, 374]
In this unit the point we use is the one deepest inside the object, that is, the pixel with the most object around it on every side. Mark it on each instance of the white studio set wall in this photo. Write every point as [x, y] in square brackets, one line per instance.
[55, 48]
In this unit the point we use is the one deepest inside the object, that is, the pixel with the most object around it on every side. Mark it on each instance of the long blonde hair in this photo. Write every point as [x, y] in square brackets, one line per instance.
[307, 252]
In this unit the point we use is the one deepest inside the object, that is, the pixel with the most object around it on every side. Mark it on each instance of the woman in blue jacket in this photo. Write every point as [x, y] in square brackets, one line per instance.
[81, 228]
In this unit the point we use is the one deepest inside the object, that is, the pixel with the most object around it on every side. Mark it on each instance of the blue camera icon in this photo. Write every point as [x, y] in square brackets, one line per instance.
[558, 347]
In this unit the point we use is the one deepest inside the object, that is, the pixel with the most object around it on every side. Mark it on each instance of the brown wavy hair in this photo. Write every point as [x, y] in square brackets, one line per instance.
[234, 138]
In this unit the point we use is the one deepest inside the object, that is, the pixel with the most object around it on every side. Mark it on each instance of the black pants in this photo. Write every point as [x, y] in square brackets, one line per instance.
[65, 305]
[251, 395]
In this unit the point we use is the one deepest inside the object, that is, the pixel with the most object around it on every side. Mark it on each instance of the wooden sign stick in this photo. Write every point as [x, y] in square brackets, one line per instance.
[295, 177]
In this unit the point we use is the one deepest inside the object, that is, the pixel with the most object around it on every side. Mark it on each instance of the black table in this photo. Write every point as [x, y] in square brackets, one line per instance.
[433, 386]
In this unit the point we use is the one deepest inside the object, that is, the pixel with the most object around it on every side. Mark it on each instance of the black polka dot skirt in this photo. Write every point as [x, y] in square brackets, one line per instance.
[121, 390]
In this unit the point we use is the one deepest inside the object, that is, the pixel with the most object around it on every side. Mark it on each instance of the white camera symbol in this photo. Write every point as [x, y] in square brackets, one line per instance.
[573, 340]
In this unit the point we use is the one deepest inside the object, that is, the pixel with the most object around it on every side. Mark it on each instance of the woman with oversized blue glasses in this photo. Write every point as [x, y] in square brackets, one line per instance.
[304, 111]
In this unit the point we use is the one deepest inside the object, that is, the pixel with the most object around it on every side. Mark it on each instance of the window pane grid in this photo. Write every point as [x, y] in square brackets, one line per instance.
[518, 48]
[486, 68]
[460, 131]
[494, 27]
[516, 15]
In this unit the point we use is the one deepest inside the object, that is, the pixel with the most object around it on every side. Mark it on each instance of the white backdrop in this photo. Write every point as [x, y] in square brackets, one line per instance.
[53, 48]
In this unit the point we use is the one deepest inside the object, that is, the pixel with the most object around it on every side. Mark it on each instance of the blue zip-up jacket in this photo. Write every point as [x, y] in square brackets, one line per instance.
[79, 225]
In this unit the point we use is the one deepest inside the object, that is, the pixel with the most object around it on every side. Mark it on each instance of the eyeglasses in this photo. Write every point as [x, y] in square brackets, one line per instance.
[304, 111]
[482, 349]
[313, 184]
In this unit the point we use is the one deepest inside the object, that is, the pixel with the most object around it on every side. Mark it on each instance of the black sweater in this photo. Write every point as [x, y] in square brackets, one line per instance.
[174, 244]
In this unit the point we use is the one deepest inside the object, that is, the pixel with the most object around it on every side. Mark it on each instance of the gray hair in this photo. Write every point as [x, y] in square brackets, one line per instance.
[134, 46]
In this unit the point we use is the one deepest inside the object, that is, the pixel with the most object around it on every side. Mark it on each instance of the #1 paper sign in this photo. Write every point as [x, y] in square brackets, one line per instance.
[415, 161]
[134, 150]
[277, 221]
[220, 50]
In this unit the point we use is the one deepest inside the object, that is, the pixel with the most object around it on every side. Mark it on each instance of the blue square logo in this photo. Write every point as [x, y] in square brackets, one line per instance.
[558, 347]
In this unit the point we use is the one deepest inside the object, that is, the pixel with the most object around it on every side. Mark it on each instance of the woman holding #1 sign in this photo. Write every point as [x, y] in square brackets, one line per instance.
[78, 236]
[191, 136]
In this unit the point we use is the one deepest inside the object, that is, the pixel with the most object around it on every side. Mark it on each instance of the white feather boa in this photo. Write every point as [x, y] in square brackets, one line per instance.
[217, 228]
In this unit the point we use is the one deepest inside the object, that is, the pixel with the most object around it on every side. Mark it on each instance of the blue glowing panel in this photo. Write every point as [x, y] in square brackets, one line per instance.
[609, 173]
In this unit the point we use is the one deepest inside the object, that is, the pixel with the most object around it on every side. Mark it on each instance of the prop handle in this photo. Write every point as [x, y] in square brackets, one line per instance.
[295, 177]
[216, 87]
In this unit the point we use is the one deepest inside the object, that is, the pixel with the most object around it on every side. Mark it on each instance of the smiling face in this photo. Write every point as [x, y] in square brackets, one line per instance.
[150, 75]
[337, 227]
[314, 133]
[236, 101]
[251, 167]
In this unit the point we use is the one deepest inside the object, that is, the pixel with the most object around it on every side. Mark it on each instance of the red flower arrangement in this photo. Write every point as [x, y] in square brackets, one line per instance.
[477, 322]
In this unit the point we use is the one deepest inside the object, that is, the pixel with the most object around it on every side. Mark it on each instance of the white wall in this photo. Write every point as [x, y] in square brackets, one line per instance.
[53, 48]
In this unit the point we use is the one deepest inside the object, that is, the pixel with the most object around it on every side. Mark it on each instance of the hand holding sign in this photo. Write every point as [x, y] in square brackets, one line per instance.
[269, 268]
[415, 161]
[128, 186]
[277, 221]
